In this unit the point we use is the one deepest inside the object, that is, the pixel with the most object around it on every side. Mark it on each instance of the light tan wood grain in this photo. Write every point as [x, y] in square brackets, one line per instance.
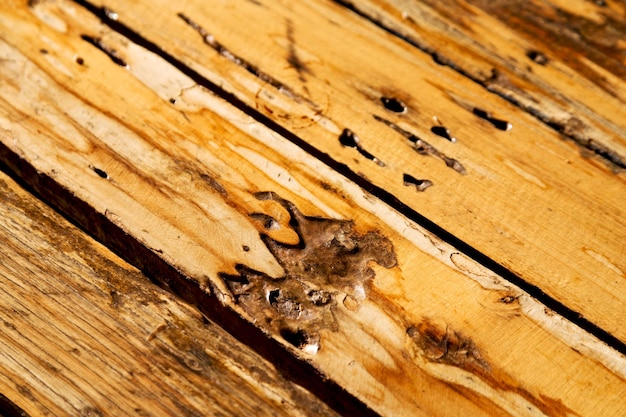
[84, 333]
[563, 61]
[222, 199]
[528, 200]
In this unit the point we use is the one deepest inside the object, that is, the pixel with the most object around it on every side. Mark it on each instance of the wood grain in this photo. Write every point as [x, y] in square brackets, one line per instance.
[84, 333]
[510, 195]
[260, 235]
[562, 61]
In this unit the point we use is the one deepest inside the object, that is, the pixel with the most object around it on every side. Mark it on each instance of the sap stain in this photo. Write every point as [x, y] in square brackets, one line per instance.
[330, 262]
[213, 183]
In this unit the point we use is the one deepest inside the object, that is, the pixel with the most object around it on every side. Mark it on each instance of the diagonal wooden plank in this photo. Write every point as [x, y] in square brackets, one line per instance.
[221, 208]
[509, 197]
[562, 61]
[84, 333]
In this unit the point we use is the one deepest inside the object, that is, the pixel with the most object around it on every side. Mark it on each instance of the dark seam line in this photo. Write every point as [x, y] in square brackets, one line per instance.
[9, 409]
[586, 143]
[375, 190]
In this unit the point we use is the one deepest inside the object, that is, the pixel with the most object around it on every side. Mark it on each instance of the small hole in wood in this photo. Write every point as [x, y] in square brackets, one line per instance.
[268, 222]
[420, 185]
[80, 61]
[537, 57]
[497, 123]
[393, 104]
[298, 338]
[443, 132]
[101, 173]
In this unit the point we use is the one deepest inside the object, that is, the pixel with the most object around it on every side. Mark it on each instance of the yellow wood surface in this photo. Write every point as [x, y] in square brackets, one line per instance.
[84, 333]
[523, 189]
[562, 60]
[146, 158]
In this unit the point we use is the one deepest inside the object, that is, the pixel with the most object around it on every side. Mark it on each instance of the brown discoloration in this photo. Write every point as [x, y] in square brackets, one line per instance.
[442, 344]
[293, 59]
[329, 264]
[214, 184]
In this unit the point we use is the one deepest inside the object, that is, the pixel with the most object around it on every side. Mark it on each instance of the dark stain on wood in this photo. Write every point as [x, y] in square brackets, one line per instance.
[329, 263]
[214, 184]
[292, 58]
[441, 344]
[447, 346]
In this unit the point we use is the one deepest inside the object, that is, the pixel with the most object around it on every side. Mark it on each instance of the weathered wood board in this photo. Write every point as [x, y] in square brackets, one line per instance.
[563, 61]
[84, 333]
[511, 195]
[208, 193]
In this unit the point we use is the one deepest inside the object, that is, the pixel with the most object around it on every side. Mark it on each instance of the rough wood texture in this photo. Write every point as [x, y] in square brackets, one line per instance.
[316, 69]
[84, 333]
[563, 61]
[320, 276]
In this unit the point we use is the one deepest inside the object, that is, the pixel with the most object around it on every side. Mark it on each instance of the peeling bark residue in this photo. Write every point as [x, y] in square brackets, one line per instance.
[422, 147]
[329, 264]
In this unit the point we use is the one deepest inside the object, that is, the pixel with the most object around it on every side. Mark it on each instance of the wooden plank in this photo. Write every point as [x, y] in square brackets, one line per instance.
[84, 333]
[509, 196]
[257, 232]
[563, 61]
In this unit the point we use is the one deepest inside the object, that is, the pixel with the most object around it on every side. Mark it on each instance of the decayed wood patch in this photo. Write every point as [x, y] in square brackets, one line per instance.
[498, 183]
[170, 175]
